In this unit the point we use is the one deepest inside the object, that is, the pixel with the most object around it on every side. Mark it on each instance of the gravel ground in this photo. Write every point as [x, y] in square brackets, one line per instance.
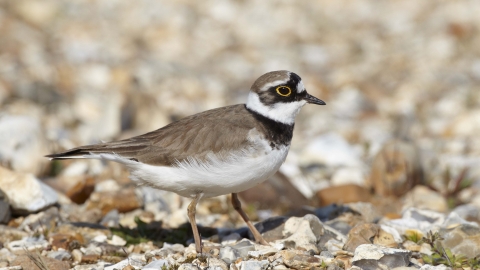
[385, 176]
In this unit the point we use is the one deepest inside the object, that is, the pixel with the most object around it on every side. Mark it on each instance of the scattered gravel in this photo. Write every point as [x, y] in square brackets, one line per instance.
[386, 175]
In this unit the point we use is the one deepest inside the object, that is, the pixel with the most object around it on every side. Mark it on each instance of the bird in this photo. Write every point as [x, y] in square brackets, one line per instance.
[216, 152]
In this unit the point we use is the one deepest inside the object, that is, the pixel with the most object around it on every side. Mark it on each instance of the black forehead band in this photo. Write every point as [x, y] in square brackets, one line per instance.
[294, 78]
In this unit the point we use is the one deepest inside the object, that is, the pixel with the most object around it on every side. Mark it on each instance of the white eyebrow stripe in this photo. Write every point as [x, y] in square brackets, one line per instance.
[274, 83]
[300, 87]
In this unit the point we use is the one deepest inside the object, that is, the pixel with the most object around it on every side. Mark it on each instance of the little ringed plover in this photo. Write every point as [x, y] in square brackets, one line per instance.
[215, 152]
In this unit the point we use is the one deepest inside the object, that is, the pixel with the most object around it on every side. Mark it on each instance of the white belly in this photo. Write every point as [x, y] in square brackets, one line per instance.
[238, 172]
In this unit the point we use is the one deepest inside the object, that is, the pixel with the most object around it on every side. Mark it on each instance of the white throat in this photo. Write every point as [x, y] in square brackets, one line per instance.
[280, 112]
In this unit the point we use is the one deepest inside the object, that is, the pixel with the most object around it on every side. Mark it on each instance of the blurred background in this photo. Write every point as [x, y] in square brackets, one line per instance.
[401, 80]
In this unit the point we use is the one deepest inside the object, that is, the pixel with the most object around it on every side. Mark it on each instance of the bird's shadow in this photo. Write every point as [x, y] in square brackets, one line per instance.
[155, 232]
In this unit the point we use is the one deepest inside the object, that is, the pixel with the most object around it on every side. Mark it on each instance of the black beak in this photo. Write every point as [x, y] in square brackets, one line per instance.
[313, 100]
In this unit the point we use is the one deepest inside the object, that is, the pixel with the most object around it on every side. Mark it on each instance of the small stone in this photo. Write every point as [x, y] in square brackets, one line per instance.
[155, 265]
[385, 239]
[454, 220]
[334, 245]
[175, 247]
[217, 264]
[300, 261]
[81, 191]
[77, 255]
[100, 238]
[128, 267]
[377, 257]
[188, 266]
[252, 265]
[90, 258]
[462, 240]
[263, 252]
[469, 212]
[60, 255]
[99, 265]
[303, 232]
[229, 254]
[424, 198]
[287, 254]
[134, 261]
[345, 260]
[243, 247]
[28, 243]
[92, 249]
[335, 267]
[413, 218]
[361, 234]
[117, 241]
[436, 267]
[393, 232]
[411, 246]
[24, 192]
[65, 241]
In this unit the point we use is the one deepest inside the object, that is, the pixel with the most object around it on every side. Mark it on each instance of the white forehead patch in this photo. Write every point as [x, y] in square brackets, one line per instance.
[300, 87]
[274, 83]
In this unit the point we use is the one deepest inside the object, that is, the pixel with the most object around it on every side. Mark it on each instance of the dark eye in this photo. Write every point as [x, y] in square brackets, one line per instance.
[284, 91]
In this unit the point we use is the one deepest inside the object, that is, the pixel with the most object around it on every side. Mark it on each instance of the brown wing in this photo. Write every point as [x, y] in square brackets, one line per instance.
[218, 130]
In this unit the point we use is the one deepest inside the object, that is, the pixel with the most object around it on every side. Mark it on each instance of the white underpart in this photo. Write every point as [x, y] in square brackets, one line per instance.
[283, 112]
[300, 87]
[237, 172]
[274, 83]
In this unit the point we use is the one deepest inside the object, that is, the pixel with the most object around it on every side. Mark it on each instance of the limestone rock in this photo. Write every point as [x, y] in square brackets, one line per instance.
[462, 240]
[252, 265]
[158, 264]
[228, 254]
[385, 239]
[370, 256]
[28, 243]
[25, 193]
[303, 232]
[424, 198]
[361, 234]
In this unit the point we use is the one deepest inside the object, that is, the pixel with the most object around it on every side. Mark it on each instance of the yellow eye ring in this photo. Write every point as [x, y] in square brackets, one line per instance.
[284, 91]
